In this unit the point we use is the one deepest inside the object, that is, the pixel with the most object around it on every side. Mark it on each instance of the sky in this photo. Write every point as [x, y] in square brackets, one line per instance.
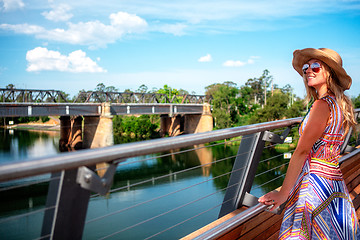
[75, 45]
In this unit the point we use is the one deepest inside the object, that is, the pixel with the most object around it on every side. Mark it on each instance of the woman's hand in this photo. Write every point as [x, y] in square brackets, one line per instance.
[273, 198]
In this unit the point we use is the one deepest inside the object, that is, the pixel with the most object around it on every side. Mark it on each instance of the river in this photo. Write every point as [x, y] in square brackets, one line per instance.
[20, 145]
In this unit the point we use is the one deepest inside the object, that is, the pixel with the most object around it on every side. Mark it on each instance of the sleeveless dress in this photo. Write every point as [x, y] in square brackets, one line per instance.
[319, 205]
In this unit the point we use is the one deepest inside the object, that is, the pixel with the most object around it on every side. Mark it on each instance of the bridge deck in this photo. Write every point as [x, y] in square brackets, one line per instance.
[266, 225]
[95, 109]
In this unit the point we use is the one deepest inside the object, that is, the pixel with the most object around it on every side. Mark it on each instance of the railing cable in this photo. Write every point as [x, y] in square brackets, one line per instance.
[11, 218]
[164, 213]
[174, 153]
[188, 219]
[269, 170]
[168, 175]
[28, 184]
[272, 180]
[165, 195]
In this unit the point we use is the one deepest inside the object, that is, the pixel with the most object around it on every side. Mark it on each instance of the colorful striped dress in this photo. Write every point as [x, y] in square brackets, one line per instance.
[319, 205]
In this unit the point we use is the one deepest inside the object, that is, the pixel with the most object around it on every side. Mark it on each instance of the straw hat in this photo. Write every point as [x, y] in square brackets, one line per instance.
[328, 56]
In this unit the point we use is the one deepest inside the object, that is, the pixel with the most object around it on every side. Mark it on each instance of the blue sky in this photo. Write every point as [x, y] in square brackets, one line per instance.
[74, 45]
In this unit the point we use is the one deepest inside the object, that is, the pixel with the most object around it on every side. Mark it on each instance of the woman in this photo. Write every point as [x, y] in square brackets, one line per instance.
[319, 206]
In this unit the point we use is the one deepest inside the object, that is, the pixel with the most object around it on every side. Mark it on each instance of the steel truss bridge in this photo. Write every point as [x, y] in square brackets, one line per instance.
[26, 103]
[56, 96]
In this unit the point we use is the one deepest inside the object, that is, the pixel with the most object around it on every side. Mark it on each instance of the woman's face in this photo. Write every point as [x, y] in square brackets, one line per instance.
[316, 77]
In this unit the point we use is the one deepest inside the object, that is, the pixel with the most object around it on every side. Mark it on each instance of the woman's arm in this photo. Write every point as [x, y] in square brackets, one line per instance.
[314, 128]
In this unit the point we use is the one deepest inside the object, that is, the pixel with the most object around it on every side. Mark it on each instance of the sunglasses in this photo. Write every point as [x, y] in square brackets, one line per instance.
[315, 67]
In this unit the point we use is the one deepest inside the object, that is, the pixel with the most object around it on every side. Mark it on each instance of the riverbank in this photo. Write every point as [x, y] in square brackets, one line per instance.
[51, 125]
[35, 126]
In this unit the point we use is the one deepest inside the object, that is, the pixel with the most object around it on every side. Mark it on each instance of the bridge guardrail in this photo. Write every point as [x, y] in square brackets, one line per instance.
[57, 96]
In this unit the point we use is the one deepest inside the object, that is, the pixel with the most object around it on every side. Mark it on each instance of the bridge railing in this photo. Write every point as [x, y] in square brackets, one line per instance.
[31, 95]
[56, 96]
[134, 97]
[71, 212]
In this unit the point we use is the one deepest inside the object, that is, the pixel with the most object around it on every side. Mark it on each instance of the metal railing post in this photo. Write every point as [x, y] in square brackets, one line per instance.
[66, 205]
[243, 172]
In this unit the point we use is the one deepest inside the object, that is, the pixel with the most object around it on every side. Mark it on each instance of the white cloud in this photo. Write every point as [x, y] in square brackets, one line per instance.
[23, 28]
[232, 63]
[92, 33]
[206, 58]
[127, 22]
[237, 63]
[59, 13]
[42, 59]
[9, 5]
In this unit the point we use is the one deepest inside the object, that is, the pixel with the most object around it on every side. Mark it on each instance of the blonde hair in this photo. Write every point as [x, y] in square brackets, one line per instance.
[334, 87]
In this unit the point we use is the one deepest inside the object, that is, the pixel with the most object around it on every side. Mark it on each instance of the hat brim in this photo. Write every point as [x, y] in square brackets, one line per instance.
[304, 55]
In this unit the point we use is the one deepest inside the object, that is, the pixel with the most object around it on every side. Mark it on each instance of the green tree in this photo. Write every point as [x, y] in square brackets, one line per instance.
[111, 89]
[273, 110]
[100, 87]
[141, 127]
[128, 91]
[295, 110]
[224, 103]
[356, 101]
[278, 107]
[10, 86]
[170, 93]
[142, 89]
[101, 91]
[259, 87]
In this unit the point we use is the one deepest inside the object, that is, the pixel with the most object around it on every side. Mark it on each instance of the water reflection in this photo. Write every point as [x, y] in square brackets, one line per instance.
[205, 157]
[24, 144]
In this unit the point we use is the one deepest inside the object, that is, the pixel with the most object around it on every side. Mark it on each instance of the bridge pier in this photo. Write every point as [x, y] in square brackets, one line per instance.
[188, 123]
[70, 133]
[86, 132]
[171, 125]
[197, 123]
[98, 132]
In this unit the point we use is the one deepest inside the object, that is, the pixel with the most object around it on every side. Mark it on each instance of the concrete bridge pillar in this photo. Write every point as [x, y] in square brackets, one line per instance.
[170, 125]
[65, 128]
[189, 123]
[197, 123]
[70, 133]
[98, 132]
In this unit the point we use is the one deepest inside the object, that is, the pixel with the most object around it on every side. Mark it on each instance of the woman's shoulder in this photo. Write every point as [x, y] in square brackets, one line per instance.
[320, 109]
[321, 104]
